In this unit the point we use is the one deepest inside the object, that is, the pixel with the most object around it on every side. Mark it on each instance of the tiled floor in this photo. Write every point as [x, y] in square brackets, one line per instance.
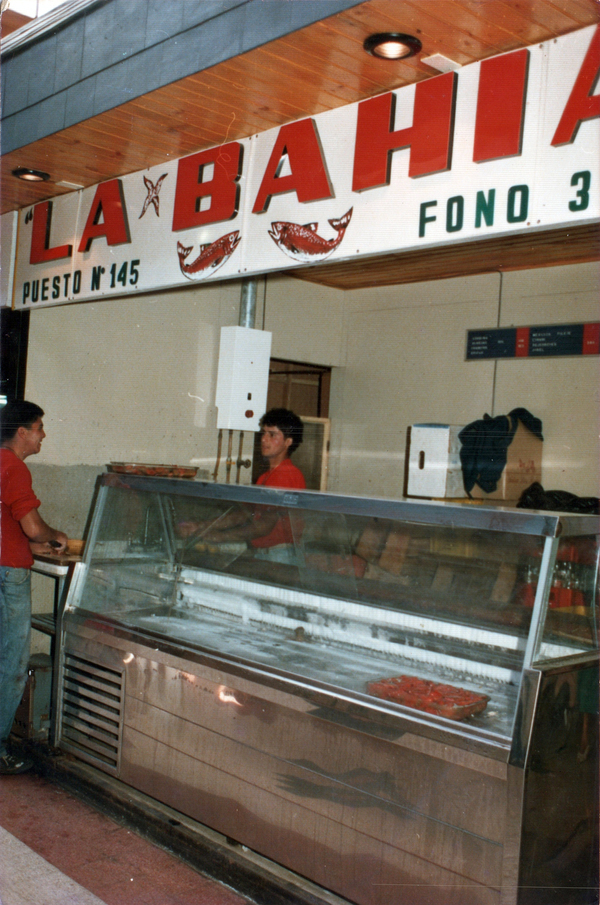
[106, 859]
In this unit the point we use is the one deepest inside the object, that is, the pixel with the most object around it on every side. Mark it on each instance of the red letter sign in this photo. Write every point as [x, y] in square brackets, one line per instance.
[40, 237]
[223, 189]
[429, 137]
[107, 216]
[500, 106]
[581, 104]
[308, 178]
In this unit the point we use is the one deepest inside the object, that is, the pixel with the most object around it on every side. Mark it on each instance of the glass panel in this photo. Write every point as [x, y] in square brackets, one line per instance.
[571, 625]
[130, 567]
[351, 601]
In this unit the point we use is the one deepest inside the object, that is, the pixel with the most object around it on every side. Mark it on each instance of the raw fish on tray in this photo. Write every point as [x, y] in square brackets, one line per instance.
[432, 697]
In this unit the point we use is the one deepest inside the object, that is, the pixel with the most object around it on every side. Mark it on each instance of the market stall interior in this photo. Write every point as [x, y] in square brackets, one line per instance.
[396, 202]
[408, 660]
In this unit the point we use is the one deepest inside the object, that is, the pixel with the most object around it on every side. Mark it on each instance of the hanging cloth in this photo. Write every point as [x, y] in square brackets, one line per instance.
[484, 445]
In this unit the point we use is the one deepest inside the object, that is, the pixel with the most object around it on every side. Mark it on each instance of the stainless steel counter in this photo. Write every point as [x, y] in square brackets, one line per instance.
[238, 691]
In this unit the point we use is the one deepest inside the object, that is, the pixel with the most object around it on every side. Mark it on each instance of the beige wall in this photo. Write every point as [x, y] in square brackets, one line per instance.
[134, 379]
[405, 351]
[563, 392]
[405, 364]
[130, 379]
[124, 380]
[305, 320]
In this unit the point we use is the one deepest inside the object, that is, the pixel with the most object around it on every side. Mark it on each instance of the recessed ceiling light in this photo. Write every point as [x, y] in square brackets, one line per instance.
[392, 46]
[28, 175]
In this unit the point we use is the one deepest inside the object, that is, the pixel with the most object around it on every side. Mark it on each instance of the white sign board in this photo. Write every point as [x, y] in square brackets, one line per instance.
[503, 146]
[8, 239]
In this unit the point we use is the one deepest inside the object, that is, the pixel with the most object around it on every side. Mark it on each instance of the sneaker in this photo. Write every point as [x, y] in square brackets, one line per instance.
[11, 764]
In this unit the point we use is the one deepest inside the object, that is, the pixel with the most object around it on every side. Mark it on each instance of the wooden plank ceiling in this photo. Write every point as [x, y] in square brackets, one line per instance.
[317, 68]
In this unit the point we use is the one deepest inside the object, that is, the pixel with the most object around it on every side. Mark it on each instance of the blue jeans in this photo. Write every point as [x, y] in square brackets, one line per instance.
[15, 631]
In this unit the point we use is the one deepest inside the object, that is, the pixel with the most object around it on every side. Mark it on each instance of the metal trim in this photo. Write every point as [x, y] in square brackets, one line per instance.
[539, 608]
[526, 708]
[46, 24]
[423, 512]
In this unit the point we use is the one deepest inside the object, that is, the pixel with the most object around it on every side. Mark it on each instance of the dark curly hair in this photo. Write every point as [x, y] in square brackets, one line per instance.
[288, 423]
[15, 415]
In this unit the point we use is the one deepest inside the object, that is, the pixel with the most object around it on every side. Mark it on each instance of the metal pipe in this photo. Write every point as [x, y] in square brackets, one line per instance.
[248, 302]
[229, 461]
[217, 463]
[239, 458]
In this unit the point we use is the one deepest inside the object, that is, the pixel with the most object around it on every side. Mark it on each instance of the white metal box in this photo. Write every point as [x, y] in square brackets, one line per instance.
[434, 468]
[242, 377]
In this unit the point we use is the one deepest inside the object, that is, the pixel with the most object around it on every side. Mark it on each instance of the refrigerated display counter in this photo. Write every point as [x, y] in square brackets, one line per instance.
[399, 702]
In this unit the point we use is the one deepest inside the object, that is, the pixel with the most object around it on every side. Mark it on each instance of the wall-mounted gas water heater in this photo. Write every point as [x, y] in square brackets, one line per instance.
[242, 377]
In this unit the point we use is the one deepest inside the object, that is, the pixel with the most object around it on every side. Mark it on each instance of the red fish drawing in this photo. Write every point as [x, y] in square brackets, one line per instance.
[303, 243]
[211, 257]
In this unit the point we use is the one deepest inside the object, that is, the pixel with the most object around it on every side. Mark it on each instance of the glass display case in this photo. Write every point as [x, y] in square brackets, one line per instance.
[353, 656]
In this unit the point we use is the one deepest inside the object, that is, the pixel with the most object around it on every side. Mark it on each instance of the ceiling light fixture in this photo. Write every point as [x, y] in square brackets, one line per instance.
[392, 46]
[28, 175]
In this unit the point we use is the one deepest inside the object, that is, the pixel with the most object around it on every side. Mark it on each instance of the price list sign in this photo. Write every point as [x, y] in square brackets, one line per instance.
[534, 342]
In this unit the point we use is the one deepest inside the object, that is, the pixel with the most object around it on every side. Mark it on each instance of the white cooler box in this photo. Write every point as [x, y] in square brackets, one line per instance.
[434, 468]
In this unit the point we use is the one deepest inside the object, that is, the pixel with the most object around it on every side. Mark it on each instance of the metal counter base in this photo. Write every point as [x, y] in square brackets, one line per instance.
[207, 851]
[268, 700]
[402, 816]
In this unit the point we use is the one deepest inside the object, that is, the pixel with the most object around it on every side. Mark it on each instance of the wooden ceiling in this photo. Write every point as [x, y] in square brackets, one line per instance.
[570, 245]
[318, 68]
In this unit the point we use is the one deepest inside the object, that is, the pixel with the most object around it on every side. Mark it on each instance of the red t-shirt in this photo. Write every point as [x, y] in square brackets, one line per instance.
[286, 475]
[16, 500]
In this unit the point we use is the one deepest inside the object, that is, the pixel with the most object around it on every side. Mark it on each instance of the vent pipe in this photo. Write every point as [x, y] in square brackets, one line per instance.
[248, 302]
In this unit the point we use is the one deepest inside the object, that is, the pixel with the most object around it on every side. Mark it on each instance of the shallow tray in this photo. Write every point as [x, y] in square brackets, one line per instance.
[432, 697]
[154, 471]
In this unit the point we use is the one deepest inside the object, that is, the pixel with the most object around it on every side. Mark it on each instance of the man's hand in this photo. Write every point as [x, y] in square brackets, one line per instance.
[41, 549]
[59, 542]
[39, 532]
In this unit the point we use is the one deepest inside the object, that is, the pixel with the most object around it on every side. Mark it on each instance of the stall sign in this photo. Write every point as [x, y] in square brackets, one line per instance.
[503, 146]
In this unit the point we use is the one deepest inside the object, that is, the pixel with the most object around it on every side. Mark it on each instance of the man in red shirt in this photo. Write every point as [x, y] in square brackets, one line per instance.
[22, 531]
[265, 529]
[281, 434]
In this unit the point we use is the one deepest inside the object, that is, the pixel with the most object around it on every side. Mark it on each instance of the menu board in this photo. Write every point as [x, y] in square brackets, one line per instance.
[534, 342]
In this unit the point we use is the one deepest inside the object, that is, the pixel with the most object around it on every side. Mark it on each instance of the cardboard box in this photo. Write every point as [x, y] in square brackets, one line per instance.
[523, 467]
[434, 468]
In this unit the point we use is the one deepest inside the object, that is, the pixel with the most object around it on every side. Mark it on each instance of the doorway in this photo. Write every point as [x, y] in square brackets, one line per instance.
[14, 334]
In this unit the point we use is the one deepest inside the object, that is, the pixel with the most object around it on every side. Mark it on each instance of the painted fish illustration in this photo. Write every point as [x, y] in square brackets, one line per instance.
[303, 243]
[211, 257]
